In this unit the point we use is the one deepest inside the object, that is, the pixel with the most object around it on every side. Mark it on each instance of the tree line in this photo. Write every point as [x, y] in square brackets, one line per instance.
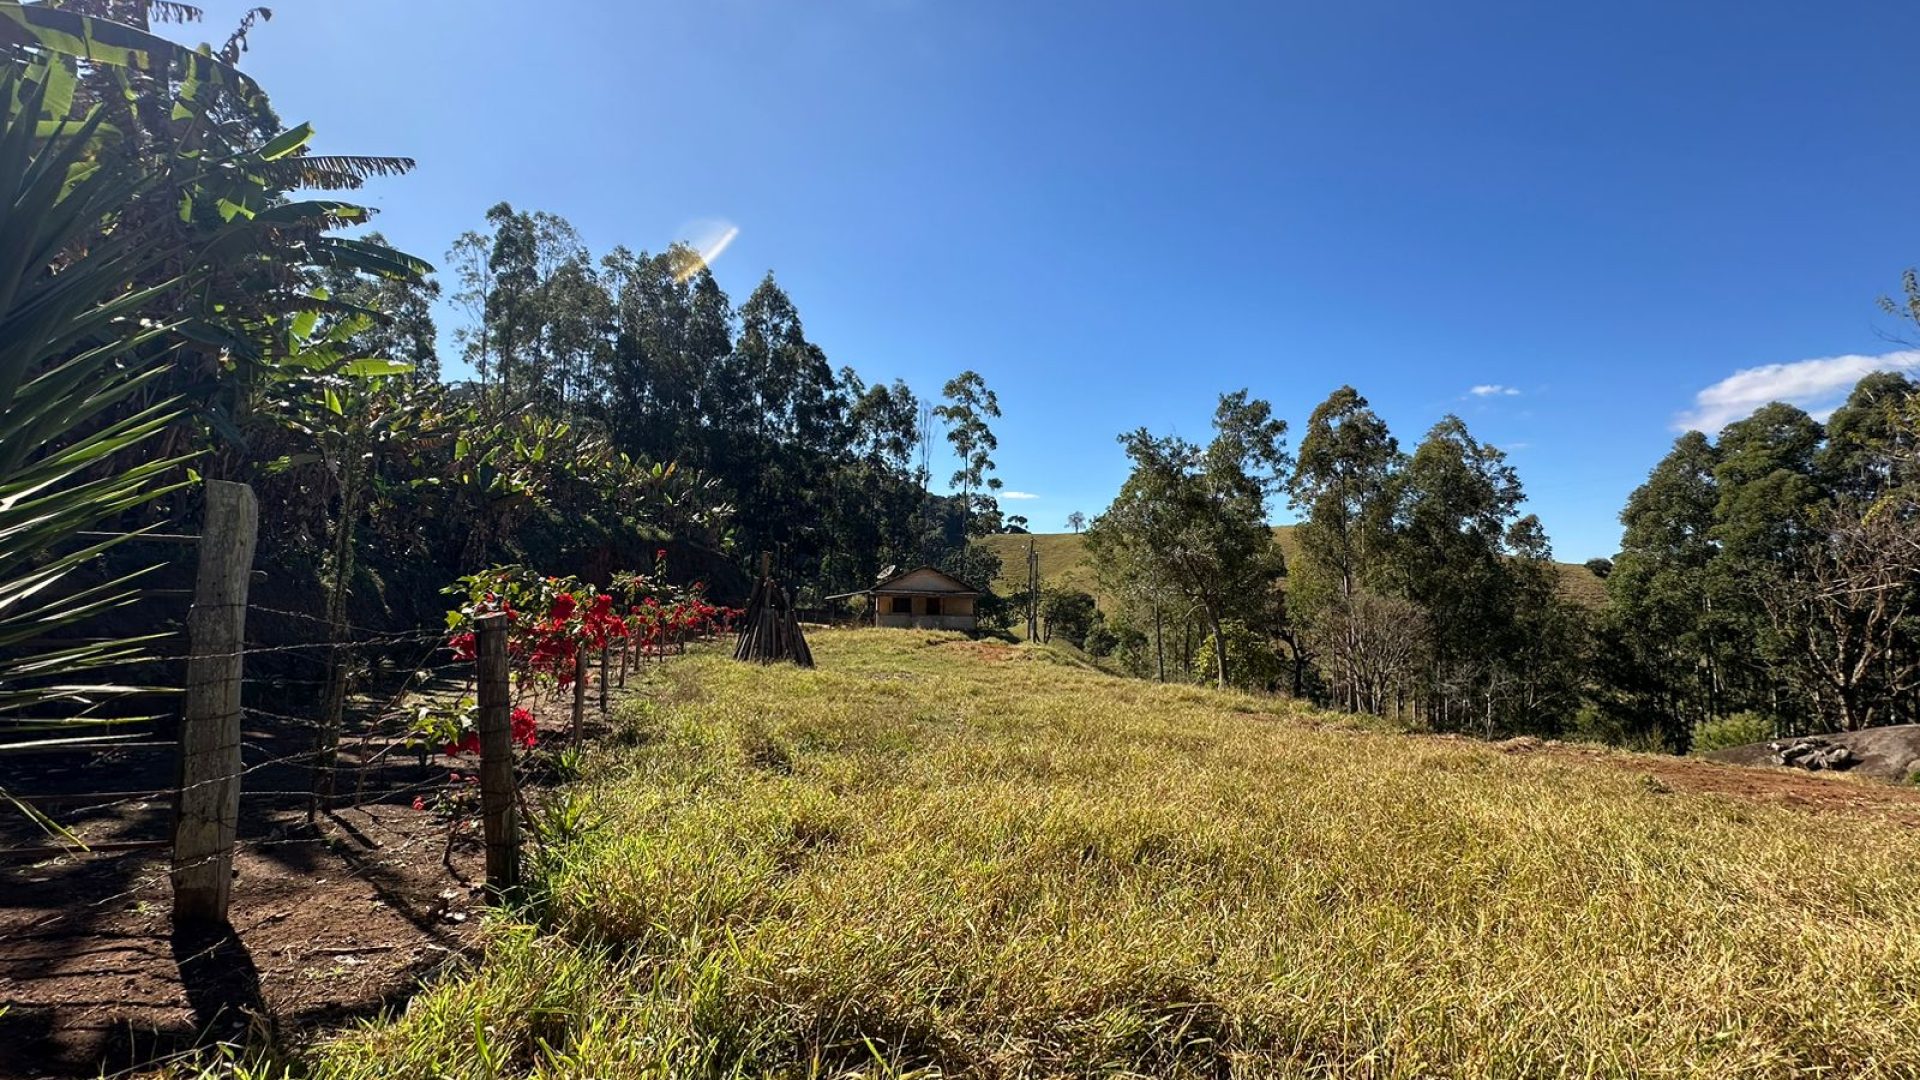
[1418, 589]
[1769, 579]
[1768, 582]
[187, 297]
[823, 471]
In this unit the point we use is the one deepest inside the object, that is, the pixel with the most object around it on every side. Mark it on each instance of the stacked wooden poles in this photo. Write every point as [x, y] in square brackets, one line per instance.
[770, 632]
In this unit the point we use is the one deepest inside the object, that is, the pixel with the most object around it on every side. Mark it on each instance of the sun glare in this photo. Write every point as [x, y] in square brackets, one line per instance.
[708, 239]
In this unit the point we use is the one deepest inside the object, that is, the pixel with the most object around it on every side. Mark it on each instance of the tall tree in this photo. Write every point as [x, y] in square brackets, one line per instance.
[1867, 446]
[969, 405]
[1195, 518]
[1670, 641]
[1770, 496]
[1460, 499]
[1343, 486]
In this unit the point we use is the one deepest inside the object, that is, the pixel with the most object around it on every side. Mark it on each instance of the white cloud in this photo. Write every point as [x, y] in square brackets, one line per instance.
[1494, 390]
[1018, 495]
[1818, 385]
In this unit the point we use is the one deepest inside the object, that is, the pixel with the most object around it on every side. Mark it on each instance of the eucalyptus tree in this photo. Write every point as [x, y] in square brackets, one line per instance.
[1193, 520]
[1670, 642]
[1459, 498]
[969, 404]
[532, 299]
[1869, 449]
[1770, 494]
[1344, 488]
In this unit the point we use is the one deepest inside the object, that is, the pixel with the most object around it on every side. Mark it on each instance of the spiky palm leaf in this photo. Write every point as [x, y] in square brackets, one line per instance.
[72, 350]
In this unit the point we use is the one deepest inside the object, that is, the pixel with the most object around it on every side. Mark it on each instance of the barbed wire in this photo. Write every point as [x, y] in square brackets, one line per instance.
[371, 723]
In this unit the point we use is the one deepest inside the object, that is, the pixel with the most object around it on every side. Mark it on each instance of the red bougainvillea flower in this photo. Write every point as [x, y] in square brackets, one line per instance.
[524, 730]
[562, 609]
[469, 744]
[419, 803]
[464, 646]
[660, 555]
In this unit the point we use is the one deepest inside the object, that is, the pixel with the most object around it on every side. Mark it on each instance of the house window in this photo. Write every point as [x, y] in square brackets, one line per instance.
[903, 605]
[933, 605]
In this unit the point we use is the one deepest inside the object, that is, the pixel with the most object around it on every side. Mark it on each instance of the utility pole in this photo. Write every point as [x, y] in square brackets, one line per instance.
[1033, 592]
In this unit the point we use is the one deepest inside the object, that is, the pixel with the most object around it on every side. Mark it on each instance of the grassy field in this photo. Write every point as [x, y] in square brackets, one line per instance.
[933, 856]
[1063, 561]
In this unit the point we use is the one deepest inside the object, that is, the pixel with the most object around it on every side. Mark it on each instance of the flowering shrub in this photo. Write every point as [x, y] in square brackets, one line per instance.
[546, 624]
[662, 618]
[455, 730]
[550, 620]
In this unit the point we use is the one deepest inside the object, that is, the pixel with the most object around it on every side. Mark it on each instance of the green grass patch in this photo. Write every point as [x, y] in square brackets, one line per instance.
[936, 856]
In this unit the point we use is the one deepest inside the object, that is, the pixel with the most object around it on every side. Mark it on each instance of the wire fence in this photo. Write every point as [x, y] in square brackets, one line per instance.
[250, 732]
[271, 733]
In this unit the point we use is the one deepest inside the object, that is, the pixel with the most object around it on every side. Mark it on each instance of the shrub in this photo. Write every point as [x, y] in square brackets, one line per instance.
[1736, 730]
[1101, 641]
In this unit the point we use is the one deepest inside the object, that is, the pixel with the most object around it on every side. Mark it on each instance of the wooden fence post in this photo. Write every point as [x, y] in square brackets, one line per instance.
[603, 679]
[498, 813]
[207, 813]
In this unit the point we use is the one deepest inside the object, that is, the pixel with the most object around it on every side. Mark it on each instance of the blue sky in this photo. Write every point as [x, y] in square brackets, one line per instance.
[1611, 219]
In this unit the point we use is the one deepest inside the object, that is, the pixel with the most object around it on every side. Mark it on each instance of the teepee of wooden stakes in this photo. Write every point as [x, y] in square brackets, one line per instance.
[770, 631]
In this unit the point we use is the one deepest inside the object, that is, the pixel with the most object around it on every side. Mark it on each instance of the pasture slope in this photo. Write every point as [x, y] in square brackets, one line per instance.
[1063, 561]
[935, 856]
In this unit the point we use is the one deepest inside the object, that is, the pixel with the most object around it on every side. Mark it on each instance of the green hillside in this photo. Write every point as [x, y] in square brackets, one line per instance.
[1063, 561]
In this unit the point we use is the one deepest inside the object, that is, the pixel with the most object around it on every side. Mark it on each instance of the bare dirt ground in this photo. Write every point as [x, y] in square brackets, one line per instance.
[1797, 788]
[330, 921]
[94, 980]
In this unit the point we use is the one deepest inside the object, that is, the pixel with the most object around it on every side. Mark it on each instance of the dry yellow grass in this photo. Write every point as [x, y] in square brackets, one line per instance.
[940, 857]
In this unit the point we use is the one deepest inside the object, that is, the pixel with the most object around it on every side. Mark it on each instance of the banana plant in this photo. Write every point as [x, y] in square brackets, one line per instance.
[225, 173]
[350, 414]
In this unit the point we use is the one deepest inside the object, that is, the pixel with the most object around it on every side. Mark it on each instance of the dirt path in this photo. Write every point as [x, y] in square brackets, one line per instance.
[328, 923]
[1821, 792]
[324, 927]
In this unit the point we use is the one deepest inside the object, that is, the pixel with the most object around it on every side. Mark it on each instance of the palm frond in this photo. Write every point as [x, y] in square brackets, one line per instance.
[237, 41]
[172, 11]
